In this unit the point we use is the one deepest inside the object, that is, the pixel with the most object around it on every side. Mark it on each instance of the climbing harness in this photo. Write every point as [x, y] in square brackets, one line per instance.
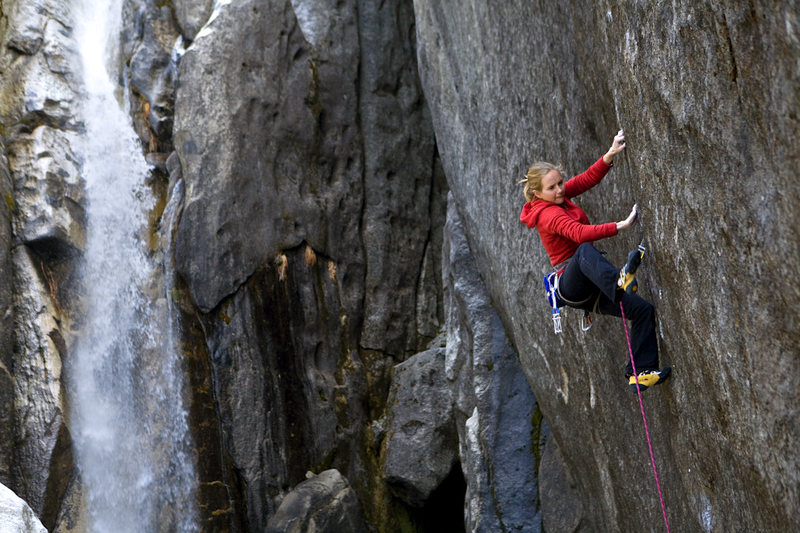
[557, 300]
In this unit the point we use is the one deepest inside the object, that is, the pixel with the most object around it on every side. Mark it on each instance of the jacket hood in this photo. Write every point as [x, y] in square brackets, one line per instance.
[532, 210]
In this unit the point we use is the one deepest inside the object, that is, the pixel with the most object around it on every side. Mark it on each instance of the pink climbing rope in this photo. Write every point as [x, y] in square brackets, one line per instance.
[644, 418]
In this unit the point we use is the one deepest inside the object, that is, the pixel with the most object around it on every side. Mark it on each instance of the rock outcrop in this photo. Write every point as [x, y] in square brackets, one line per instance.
[496, 414]
[307, 248]
[708, 100]
[38, 95]
[421, 447]
[324, 503]
[15, 515]
[308, 207]
[466, 411]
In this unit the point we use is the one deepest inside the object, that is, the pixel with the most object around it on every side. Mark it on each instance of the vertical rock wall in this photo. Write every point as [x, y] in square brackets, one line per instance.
[6, 322]
[44, 200]
[496, 415]
[707, 94]
[308, 242]
[292, 142]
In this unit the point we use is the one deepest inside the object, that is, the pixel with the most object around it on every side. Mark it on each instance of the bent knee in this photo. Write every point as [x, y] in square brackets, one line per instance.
[638, 306]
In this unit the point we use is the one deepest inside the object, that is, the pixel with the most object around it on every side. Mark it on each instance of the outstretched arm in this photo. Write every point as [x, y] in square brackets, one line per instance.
[564, 225]
[592, 176]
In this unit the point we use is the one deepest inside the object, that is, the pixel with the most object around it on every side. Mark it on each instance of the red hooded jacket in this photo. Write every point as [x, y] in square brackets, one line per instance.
[563, 227]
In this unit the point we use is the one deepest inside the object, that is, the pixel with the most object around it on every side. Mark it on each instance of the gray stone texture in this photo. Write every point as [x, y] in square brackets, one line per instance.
[310, 232]
[149, 48]
[421, 445]
[707, 95]
[562, 511]
[6, 321]
[308, 247]
[192, 15]
[43, 196]
[494, 409]
[324, 503]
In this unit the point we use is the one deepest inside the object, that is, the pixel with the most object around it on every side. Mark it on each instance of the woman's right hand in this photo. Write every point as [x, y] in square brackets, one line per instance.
[630, 221]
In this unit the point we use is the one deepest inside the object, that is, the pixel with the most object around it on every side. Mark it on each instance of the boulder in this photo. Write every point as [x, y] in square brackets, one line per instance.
[192, 15]
[15, 515]
[421, 446]
[324, 503]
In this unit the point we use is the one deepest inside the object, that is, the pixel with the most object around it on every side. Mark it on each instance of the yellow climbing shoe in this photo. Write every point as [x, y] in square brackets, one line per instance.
[627, 282]
[648, 378]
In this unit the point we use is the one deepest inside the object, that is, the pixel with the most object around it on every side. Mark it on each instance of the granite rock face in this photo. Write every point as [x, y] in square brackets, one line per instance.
[294, 144]
[708, 98]
[466, 407]
[43, 201]
[309, 204]
[307, 247]
[495, 412]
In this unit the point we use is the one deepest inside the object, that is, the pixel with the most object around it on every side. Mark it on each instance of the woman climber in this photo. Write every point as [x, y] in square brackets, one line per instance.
[586, 279]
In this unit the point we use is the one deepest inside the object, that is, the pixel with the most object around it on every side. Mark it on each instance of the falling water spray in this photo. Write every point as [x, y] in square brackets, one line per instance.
[128, 419]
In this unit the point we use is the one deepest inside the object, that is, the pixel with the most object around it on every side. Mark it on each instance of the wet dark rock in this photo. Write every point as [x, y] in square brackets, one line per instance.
[150, 53]
[324, 503]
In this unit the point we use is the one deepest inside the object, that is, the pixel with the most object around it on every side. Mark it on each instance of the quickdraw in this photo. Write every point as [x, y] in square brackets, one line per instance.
[557, 302]
[551, 288]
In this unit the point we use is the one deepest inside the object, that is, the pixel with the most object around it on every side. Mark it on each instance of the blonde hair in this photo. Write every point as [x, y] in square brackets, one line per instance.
[533, 178]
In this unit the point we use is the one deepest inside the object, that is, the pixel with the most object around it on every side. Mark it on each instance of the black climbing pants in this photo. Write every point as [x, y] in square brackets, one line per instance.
[590, 273]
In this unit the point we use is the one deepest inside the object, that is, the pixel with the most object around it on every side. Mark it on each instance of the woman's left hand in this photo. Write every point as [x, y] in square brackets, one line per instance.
[616, 147]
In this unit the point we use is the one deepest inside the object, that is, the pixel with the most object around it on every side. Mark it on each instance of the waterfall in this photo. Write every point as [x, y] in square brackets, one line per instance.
[128, 420]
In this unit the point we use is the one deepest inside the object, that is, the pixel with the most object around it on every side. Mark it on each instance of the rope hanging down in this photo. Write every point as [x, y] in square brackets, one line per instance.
[644, 419]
